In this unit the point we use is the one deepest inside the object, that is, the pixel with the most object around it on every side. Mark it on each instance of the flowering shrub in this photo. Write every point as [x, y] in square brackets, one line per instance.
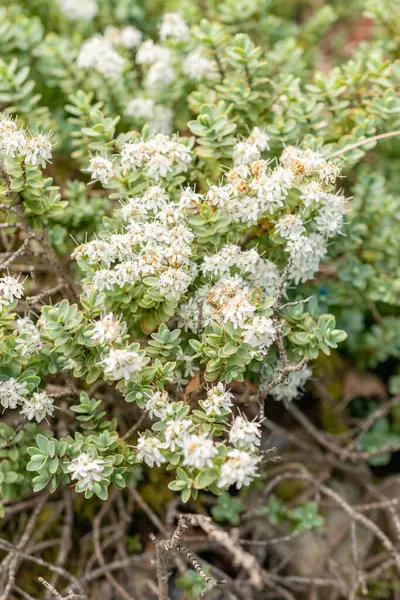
[190, 224]
[166, 268]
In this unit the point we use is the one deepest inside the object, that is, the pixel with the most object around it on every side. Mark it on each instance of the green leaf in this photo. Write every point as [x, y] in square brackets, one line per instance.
[186, 495]
[205, 478]
[10, 477]
[228, 350]
[42, 442]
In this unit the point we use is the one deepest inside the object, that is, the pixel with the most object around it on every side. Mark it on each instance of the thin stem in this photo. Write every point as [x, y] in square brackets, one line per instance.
[374, 138]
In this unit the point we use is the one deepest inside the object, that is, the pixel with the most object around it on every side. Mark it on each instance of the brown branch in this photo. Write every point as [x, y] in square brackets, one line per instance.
[18, 252]
[135, 427]
[66, 536]
[14, 556]
[97, 548]
[374, 138]
[39, 561]
[70, 596]
[10, 440]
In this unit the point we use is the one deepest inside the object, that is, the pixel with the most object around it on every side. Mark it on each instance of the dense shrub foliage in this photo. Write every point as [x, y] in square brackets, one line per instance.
[198, 205]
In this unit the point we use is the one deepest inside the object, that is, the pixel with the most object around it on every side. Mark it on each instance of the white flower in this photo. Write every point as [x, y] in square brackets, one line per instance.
[110, 64]
[121, 246]
[148, 449]
[267, 277]
[155, 198]
[79, 10]
[149, 53]
[196, 65]
[199, 451]
[189, 201]
[162, 119]
[122, 363]
[10, 290]
[260, 332]
[12, 393]
[38, 406]
[112, 35]
[221, 263]
[312, 193]
[245, 153]
[329, 221]
[91, 50]
[101, 168]
[38, 150]
[12, 139]
[259, 138]
[299, 247]
[245, 434]
[294, 386]
[175, 432]
[174, 282]
[134, 210]
[238, 309]
[289, 156]
[240, 468]
[131, 37]
[86, 470]
[229, 300]
[140, 108]
[290, 227]
[219, 195]
[329, 173]
[273, 189]
[128, 37]
[107, 330]
[28, 337]
[25, 325]
[97, 52]
[307, 163]
[218, 398]
[158, 404]
[124, 273]
[158, 156]
[174, 26]
[96, 252]
[306, 254]
[159, 75]
[104, 279]
[187, 363]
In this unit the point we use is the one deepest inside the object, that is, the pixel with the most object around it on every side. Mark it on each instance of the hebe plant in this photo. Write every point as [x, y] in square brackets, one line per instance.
[199, 273]
[166, 297]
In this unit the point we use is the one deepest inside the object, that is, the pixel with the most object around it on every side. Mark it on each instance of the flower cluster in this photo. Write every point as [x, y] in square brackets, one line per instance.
[12, 393]
[179, 436]
[297, 197]
[173, 26]
[86, 470]
[17, 143]
[152, 251]
[15, 394]
[98, 53]
[145, 110]
[158, 158]
[27, 336]
[122, 363]
[10, 289]
[157, 63]
[294, 386]
[78, 10]
[127, 37]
